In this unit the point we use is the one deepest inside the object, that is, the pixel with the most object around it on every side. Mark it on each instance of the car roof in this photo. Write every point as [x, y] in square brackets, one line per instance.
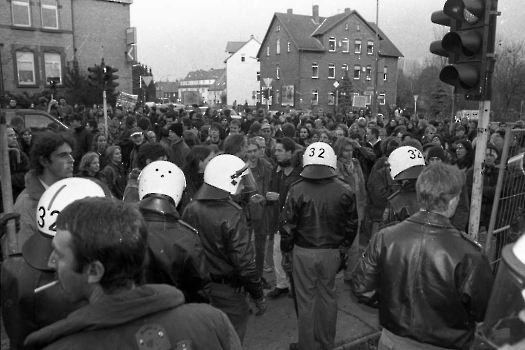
[35, 120]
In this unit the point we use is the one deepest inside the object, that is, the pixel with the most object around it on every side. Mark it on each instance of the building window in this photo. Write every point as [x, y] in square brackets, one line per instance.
[331, 98]
[268, 50]
[385, 71]
[344, 70]
[331, 44]
[382, 99]
[25, 66]
[358, 28]
[315, 70]
[357, 46]
[345, 45]
[53, 66]
[278, 72]
[278, 28]
[258, 76]
[243, 58]
[370, 47]
[331, 71]
[368, 72]
[278, 47]
[21, 13]
[315, 98]
[357, 72]
[288, 47]
[346, 26]
[49, 13]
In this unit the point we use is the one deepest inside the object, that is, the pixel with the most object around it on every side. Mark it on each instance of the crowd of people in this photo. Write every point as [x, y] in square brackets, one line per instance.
[208, 203]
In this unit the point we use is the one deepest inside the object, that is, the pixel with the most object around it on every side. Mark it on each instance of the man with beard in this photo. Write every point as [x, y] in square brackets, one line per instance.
[284, 174]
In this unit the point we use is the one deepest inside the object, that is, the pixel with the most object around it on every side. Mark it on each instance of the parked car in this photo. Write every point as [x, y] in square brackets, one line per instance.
[35, 120]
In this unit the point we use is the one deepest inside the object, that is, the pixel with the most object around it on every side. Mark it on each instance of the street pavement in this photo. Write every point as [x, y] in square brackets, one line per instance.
[278, 327]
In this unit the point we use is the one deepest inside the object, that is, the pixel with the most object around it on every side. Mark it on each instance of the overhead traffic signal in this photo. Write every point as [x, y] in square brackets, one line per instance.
[95, 75]
[469, 46]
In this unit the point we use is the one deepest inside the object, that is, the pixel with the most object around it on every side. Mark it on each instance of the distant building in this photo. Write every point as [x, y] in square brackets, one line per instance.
[242, 71]
[217, 92]
[194, 88]
[168, 91]
[41, 37]
[305, 55]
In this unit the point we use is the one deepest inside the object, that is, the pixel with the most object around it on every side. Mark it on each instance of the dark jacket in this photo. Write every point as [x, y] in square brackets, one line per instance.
[319, 214]
[175, 250]
[19, 166]
[431, 282]
[149, 316]
[83, 140]
[280, 183]
[380, 186]
[261, 215]
[116, 178]
[490, 180]
[226, 237]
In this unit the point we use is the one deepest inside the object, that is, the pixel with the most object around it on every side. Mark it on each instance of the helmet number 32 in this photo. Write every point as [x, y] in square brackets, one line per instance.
[42, 216]
[414, 154]
[320, 154]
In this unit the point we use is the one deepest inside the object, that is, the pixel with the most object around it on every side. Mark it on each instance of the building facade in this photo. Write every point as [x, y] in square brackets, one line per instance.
[304, 57]
[40, 38]
[242, 72]
[194, 88]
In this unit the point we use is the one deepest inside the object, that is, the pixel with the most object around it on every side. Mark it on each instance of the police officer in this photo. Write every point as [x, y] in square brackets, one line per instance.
[319, 219]
[175, 249]
[226, 238]
[23, 309]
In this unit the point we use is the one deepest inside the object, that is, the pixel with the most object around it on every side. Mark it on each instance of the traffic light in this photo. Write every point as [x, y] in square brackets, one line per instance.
[95, 75]
[469, 46]
[109, 78]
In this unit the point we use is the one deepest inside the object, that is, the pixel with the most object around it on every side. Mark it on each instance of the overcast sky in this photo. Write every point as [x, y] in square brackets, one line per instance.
[176, 37]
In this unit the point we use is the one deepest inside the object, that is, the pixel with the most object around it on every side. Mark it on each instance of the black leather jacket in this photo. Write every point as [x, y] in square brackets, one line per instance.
[318, 214]
[176, 254]
[225, 236]
[431, 282]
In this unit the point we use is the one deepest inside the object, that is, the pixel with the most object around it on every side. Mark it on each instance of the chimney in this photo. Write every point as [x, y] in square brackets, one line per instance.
[289, 12]
[348, 9]
[315, 13]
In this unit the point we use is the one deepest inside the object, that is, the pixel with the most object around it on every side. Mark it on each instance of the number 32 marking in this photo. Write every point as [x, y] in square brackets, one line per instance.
[320, 155]
[414, 154]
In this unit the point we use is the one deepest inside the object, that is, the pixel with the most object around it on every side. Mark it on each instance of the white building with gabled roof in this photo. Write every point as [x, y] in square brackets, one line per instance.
[242, 72]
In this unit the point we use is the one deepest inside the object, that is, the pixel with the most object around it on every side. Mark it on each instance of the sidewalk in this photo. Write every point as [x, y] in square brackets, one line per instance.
[278, 327]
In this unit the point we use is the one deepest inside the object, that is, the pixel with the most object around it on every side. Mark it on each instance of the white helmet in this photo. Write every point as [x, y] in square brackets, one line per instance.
[319, 161]
[162, 177]
[37, 249]
[406, 162]
[230, 174]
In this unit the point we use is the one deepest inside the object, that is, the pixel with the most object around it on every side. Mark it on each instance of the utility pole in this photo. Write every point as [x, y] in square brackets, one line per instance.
[376, 58]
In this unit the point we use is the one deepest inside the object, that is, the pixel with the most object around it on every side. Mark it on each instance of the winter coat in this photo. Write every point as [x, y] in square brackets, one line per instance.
[149, 316]
[430, 282]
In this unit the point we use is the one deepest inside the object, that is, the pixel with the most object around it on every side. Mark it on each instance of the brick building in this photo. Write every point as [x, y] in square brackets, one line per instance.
[40, 38]
[305, 55]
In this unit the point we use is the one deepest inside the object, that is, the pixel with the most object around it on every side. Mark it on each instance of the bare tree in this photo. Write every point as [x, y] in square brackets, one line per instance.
[509, 77]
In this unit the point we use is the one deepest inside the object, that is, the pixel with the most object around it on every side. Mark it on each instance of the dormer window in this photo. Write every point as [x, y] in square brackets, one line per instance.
[331, 44]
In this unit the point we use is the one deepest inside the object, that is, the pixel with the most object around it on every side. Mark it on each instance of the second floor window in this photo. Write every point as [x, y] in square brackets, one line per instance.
[385, 71]
[49, 14]
[278, 72]
[344, 70]
[382, 99]
[278, 48]
[357, 46]
[315, 97]
[368, 72]
[370, 47]
[331, 71]
[21, 13]
[357, 72]
[345, 45]
[331, 44]
[53, 66]
[315, 70]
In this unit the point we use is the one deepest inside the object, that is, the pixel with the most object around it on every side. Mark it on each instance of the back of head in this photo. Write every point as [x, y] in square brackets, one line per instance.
[162, 178]
[288, 144]
[319, 161]
[151, 151]
[288, 130]
[111, 232]
[406, 162]
[437, 184]
[234, 143]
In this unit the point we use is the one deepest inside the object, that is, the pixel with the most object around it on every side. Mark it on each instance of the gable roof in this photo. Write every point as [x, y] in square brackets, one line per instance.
[234, 46]
[304, 32]
[204, 75]
[168, 86]
[219, 84]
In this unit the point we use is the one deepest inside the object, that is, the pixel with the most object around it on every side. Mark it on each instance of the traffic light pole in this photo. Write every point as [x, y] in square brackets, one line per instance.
[105, 104]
